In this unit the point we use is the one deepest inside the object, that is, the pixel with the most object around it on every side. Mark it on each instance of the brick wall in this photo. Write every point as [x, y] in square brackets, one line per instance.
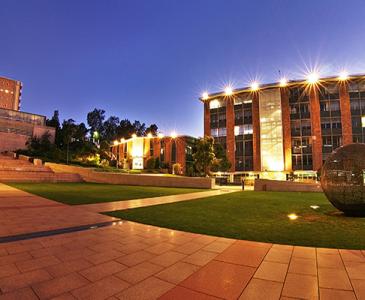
[206, 119]
[345, 114]
[316, 128]
[9, 93]
[256, 132]
[285, 115]
[230, 132]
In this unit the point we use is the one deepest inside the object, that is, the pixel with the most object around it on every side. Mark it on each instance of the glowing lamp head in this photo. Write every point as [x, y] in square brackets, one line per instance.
[254, 86]
[149, 135]
[205, 96]
[228, 91]
[343, 76]
[312, 78]
[115, 143]
[122, 140]
[160, 135]
[134, 135]
[283, 82]
[292, 217]
[174, 135]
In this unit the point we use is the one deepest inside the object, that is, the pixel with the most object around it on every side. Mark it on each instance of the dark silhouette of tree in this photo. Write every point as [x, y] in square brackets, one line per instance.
[95, 119]
[152, 129]
[110, 128]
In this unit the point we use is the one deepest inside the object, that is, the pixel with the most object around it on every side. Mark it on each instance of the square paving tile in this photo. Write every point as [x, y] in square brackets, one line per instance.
[356, 270]
[68, 267]
[278, 255]
[181, 293]
[243, 255]
[200, 258]
[304, 252]
[303, 266]
[150, 288]
[352, 255]
[359, 288]
[103, 270]
[167, 259]
[333, 279]
[101, 289]
[139, 272]
[330, 261]
[220, 279]
[272, 271]
[135, 258]
[177, 272]
[331, 294]
[259, 289]
[59, 285]
[23, 294]
[300, 286]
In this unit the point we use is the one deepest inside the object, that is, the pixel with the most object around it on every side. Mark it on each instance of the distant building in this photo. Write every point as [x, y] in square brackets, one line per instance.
[289, 126]
[17, 127]
[134, 152]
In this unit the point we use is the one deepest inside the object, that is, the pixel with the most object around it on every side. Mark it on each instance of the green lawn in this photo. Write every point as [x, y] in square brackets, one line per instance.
[87, 193]
[259, 216]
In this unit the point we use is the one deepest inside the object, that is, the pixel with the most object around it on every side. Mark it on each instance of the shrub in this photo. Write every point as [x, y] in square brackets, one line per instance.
[151, 163]
[157, 163]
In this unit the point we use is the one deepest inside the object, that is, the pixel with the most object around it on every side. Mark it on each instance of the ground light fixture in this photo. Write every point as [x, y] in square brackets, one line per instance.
[314, 207]
[292, 216]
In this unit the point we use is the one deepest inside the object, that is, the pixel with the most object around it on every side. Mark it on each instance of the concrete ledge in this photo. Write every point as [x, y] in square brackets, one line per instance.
[89, 175]
[37, 162]
[24, 157]
[285, 186]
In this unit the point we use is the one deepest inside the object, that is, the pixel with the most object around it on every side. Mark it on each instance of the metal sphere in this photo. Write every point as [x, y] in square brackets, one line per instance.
[342, 179]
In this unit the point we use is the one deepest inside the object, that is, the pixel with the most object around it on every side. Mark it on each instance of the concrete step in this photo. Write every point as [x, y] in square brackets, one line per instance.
[20, 168]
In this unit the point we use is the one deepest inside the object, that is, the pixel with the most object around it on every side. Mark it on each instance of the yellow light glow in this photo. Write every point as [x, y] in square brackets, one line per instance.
[254, 86]
[160, 135]
[312, 78]
[205, 96]
[343, 76]
[122, 140]
[134, 135]
[174, 135]
[228, 91]
[292, 217]
[149, 135]
[363, 121]
[115, 143]
[283, 82]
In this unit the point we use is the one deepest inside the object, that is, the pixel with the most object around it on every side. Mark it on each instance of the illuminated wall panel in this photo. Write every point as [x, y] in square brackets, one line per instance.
[271, 131]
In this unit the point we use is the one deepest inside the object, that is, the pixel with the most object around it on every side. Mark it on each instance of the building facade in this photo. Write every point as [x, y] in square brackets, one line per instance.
[285, 127]
[135, 152]
[17, 127]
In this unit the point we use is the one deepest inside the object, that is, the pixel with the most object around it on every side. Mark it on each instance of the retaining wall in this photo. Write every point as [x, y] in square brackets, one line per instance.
[285, 186]
[89, 175]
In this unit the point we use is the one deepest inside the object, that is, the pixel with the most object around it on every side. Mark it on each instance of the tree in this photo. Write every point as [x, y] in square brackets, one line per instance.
[139, 128]
[152, 129]
[110, 128]
[95, 120]
[204, 155]
[125, 129]
[221, 162]
[55, 123]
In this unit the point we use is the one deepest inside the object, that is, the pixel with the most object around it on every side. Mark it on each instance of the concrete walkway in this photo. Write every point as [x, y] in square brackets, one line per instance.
[126, 204]
[136, 261]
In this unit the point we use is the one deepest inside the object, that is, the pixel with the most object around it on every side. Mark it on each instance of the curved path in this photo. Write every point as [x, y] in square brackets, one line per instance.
[136, 261]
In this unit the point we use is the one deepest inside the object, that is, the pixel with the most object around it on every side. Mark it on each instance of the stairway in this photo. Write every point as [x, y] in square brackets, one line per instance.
[17, 170]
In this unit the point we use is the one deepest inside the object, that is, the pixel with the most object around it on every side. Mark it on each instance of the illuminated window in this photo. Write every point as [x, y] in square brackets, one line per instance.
[214, 104]
[363, 121]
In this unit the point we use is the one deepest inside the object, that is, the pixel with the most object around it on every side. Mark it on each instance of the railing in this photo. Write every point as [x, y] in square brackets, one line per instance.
[22, 117]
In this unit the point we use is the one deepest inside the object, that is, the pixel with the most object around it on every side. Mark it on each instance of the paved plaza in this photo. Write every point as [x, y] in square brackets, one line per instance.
[128, 260]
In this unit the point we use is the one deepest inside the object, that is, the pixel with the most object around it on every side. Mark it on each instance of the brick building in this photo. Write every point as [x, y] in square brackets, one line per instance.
[17, 127]
[134, 152]
[289, 126]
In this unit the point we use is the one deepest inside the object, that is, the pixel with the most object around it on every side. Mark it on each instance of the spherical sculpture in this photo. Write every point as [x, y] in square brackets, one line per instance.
[342, 179]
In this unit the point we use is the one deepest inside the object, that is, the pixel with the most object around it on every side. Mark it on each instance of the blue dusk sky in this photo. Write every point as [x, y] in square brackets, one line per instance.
[150, 60]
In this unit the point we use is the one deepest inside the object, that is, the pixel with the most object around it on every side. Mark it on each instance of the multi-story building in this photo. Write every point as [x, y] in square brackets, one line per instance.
[133, 153]
[17, 127]
[288, 126]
